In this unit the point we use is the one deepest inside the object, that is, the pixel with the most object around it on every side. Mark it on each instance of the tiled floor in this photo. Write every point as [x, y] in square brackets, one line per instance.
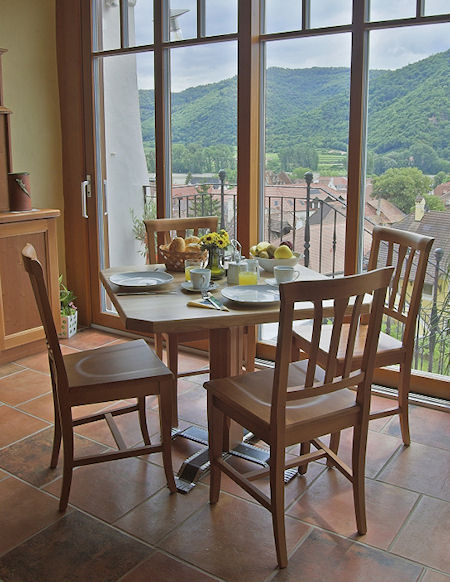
[122, 523]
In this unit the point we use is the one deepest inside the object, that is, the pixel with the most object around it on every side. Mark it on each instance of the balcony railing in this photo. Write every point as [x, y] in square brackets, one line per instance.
[315, 226]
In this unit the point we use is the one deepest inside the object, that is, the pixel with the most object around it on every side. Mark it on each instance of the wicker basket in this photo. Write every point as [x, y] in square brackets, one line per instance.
[174, 260]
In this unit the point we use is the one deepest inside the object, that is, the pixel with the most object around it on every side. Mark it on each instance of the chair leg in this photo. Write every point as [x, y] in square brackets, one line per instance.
[304, 450]
[403, 401]
[143, 420]
[277, 464]
[250, 348]
[172, 363]
[57, 428]
[216, 424]
[358, 467]
[334, 445]
[67, 436]
[165, 416]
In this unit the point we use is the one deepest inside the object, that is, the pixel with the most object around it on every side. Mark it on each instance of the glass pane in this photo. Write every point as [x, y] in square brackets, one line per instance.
[221, 17]
[124, 103]
[387, 10]
[326, 13]
[282, 15]
[107, 33]
[306, 127]
[141, 22]
[183, 19]
[436, 7]
[408, 158]
[204, 128]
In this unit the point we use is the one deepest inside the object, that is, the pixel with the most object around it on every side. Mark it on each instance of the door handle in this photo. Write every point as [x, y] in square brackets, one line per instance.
[85, 193]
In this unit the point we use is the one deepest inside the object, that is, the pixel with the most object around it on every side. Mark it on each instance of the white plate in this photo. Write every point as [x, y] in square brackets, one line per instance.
[141, 279]
[187, 286]
[252, 294]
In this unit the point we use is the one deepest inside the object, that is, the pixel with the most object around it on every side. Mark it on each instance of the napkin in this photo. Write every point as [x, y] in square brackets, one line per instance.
[205, 304]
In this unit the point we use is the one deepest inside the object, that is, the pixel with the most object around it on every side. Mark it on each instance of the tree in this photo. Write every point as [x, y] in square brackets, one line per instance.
[440, 178]
[401, 186]
[434, 203]
[299, 173]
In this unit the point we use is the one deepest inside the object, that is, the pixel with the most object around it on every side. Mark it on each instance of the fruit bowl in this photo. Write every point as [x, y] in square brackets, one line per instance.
[269, 264]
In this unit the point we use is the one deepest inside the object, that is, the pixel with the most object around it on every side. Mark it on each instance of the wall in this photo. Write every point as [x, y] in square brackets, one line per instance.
[27, 30]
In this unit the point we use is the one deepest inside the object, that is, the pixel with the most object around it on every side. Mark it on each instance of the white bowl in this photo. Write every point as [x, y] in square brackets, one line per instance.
[269, 264]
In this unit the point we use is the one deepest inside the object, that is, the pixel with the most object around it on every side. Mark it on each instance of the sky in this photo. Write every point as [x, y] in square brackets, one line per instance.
[389, 49]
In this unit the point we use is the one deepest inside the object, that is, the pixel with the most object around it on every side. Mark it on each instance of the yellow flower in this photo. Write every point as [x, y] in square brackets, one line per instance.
[212, 240]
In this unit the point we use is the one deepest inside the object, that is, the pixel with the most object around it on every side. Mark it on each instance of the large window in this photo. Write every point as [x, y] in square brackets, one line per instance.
[347, 90]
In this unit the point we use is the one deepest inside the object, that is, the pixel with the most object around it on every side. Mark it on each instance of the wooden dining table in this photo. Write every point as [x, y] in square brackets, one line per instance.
[164, 309]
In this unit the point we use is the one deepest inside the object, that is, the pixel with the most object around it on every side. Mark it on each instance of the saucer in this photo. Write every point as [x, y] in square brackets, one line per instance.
[272, 282]
[187, 286]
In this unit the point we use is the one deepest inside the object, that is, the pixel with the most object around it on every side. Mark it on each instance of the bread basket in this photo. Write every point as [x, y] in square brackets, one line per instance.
[174, 260]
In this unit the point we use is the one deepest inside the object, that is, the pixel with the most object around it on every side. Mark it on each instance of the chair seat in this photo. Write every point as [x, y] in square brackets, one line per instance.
[115, 365]
[389, 351]
[251, 394]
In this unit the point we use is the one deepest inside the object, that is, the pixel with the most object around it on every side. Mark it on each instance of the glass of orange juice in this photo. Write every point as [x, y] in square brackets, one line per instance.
[249, 275]
[191, 264]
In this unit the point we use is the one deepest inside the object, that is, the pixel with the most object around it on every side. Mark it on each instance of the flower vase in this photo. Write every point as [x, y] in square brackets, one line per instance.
[215, 263]
[69, 325]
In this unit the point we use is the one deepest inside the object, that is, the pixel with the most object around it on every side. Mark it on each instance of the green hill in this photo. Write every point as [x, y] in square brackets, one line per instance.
[407, 107]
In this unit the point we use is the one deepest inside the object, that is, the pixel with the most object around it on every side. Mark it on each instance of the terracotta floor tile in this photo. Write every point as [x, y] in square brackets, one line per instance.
[378, 403]
[432, 576]
[109, 490]
[162, 513]
[23, 386]
[425, 537]
[292, 490]
[427, 427]
[380, 448]
[41, 407]
[328, 503]
[29, 459]
[9, 368]
[39, 362]
[3, 475]
[16, 425]
[233, 540]
[324, 557]
[162, 568]
[75, 548]
[181, 449]
[192, 406]
[89, 338]
[420, 468]
[189, 361]
[25, 511]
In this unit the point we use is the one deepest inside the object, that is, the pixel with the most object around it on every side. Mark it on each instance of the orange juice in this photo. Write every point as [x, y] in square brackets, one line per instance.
[248, 278]
[187, 273]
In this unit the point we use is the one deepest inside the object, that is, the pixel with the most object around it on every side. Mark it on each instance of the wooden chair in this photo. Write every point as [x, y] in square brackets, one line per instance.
[408, 252]
[289, 405]
[117, 372]
[159, 232]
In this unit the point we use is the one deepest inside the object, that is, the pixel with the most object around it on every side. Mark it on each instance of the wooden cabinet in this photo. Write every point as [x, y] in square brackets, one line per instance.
[21, 332]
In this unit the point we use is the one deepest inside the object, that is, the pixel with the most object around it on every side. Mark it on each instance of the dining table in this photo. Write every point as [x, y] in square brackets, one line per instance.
[164, 308]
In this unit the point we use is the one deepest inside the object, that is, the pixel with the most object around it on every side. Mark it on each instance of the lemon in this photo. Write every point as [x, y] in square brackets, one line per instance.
[283, 252]
[254, 251]
[262, 246]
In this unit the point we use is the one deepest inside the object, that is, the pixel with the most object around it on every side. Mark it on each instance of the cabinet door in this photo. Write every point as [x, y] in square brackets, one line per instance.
[19, 317]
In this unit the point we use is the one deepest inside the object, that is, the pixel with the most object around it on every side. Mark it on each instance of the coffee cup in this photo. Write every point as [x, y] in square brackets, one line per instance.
[200, 278]
[284, 273]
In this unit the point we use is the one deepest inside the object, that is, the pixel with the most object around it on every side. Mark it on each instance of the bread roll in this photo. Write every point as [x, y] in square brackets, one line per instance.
[192, 239]
[178, 245]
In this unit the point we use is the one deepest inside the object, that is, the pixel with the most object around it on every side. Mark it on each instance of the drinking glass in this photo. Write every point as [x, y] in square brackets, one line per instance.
[250, 274]
[191, 264]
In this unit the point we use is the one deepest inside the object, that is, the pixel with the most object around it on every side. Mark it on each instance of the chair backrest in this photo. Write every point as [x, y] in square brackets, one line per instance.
[163, 227]
[408, 252]
[346, 295]
[34, 269]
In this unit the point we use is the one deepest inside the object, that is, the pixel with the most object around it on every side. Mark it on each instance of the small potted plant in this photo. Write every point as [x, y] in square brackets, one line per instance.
[69, 314]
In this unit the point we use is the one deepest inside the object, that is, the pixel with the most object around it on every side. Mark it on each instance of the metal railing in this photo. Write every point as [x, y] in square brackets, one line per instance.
[315, 227]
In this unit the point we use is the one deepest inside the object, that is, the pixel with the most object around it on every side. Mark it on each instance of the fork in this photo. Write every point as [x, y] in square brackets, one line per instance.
[205, 295]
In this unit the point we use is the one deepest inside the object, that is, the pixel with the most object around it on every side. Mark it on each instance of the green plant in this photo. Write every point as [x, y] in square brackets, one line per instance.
[66, 299]
[138, 226]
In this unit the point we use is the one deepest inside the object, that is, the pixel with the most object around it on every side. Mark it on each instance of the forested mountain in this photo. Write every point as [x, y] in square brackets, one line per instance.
[408, 108]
